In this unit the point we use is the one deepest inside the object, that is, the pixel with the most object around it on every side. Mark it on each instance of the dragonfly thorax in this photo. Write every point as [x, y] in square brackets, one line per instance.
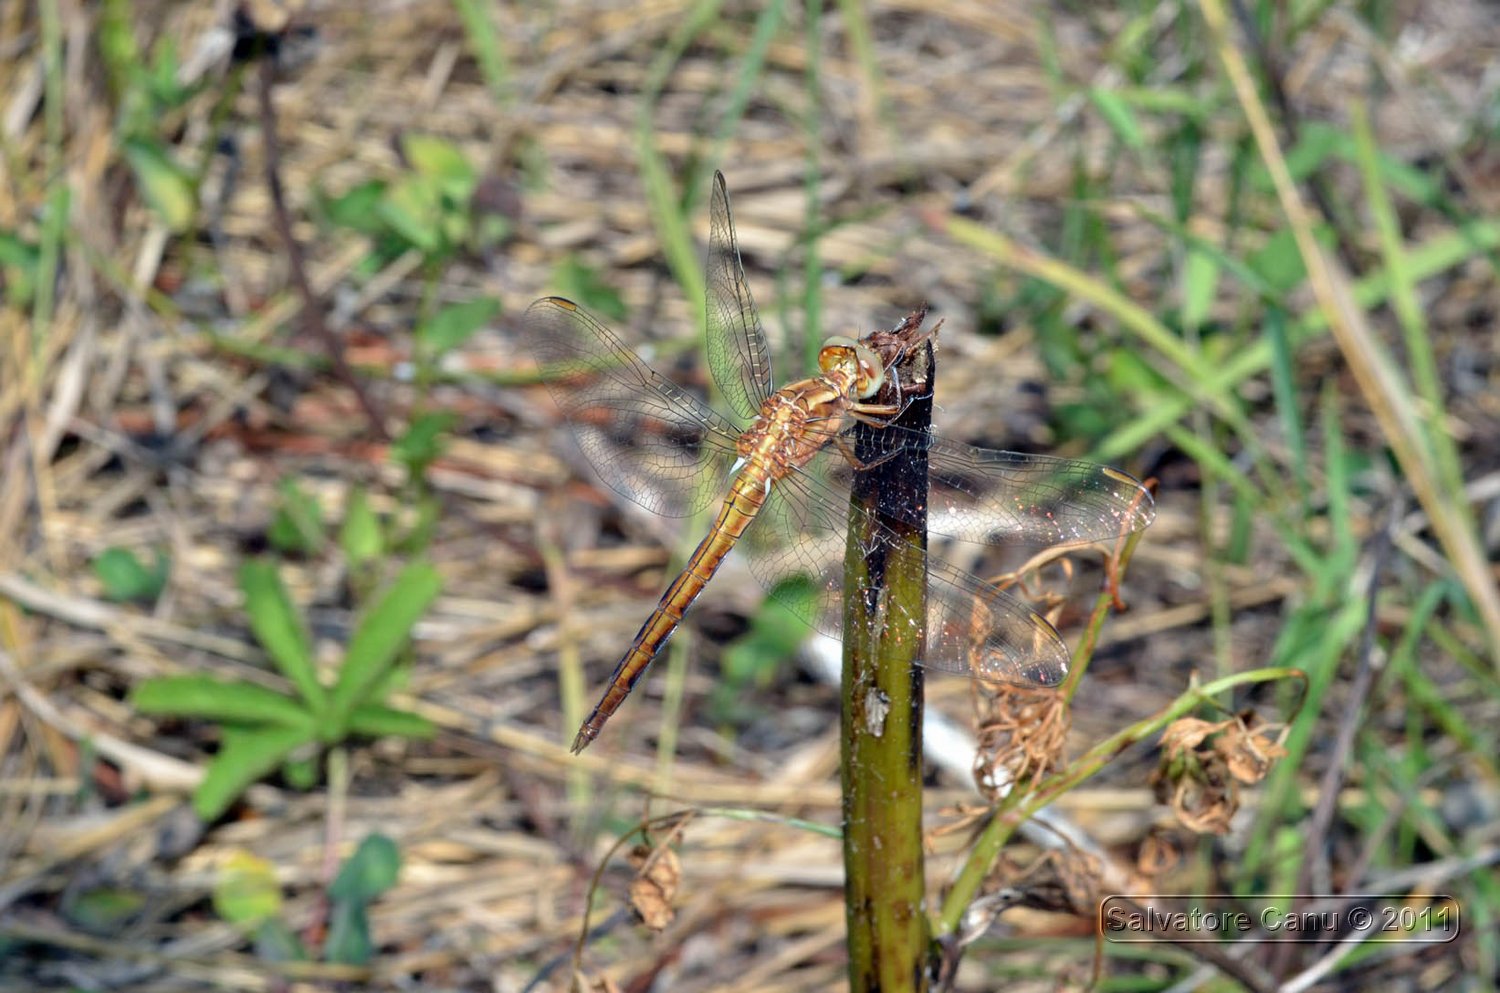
[842, 354]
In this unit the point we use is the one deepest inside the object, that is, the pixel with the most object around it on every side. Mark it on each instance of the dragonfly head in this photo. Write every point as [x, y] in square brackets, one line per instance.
[840, 352]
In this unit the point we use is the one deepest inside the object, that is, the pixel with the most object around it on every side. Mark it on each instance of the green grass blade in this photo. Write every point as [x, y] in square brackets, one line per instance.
[383, 632]
[243, 758]
[484, 41]
[376, 720]
[219, 700]
[279, 629]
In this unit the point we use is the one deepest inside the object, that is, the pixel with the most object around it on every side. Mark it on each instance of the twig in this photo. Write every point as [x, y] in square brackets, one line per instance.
[313, 324]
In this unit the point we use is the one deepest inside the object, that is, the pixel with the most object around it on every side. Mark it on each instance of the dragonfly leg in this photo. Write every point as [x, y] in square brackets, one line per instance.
[861, 464]
[877, 418]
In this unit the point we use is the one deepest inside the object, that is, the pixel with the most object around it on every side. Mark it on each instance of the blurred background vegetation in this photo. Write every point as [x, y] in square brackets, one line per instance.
[302, 594]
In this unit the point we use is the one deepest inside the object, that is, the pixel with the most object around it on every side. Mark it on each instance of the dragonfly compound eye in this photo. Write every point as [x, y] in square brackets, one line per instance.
[843, 352]
[871, 372]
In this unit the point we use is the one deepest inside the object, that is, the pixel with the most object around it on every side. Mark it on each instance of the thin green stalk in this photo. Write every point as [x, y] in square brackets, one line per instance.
[861, 44]
[1408, 310]
[747, 75]
[661, 196]
[1377, 375]
[674, 691]
[485, 43]
[812, 125]
[881, 737]
[1442, 253]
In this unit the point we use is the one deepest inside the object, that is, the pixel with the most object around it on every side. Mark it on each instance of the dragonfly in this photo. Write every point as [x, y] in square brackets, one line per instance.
[781, 460]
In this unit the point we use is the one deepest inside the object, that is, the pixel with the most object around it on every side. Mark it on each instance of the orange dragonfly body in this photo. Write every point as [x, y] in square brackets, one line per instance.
[654, 443]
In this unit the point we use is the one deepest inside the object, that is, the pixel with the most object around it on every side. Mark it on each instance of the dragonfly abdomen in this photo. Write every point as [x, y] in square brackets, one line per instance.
[746, 497]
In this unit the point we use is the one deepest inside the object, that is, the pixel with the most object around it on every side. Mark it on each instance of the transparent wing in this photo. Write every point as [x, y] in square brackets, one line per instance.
[738, 355]
[647, 438]
[971, 626]
[994, 497]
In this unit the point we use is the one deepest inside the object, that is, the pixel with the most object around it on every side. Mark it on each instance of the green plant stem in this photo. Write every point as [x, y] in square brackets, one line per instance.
[881, 735]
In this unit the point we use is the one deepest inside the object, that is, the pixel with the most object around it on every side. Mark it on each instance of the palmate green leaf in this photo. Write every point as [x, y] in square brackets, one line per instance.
[382, 632]
[219, 700]
[279, 630]
[244, 757]
[376, 720]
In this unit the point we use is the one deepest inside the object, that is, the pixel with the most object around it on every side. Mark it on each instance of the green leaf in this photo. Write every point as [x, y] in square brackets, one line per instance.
[369, 872]
[301, 773]
[246, 893]
[164, 75]
[279, 630]
[298, 525]
[124, 577]
[382, 632]
[1316, 144]
[1278, 262]
[1120, 118]
[114, 37]
[376, 720]
[356, 208]
[103, 910]
[166, 186]
[422, 443]
[439, 160]
[360, 537]
[244, 757]
[1128, 373]
[275, 942]
[410, 208]
[775, 633]
[349, 935]
[453, 325]
[1200, 282]
[18, 269]
[583, 284]
[217, 700]
[423, 527]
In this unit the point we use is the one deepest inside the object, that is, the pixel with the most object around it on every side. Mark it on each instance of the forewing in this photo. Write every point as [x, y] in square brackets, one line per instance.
[647, 438]
[992, 497]
[738, 355]
[971, 625]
